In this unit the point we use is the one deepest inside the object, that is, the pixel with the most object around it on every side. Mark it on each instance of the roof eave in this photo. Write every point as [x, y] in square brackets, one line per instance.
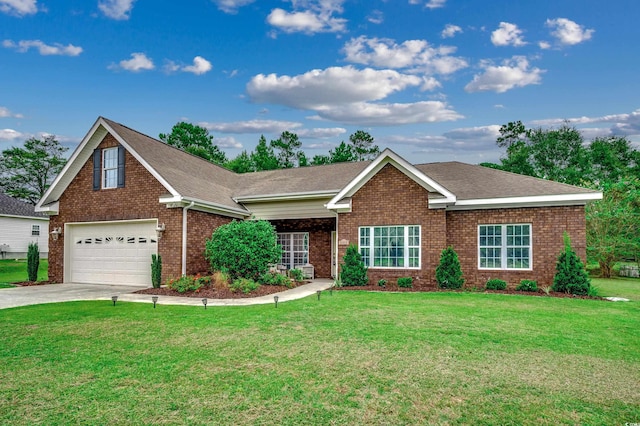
[286, 197]
[530, 201]
[202, 205]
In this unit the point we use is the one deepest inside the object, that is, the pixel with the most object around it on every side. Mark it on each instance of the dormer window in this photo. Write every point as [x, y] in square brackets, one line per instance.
[108, 168]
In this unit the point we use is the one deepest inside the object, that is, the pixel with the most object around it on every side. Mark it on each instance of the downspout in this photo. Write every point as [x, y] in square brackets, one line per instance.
[336, 248]
[184, 237]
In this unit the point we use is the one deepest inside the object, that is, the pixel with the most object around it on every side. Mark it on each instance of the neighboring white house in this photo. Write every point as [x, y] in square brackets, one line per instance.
[19, 226]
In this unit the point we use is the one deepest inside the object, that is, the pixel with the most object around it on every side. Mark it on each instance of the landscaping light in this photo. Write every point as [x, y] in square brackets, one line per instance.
[155, 300]
[204, 302]
[318, 292]
[114, 299]
[275, 299]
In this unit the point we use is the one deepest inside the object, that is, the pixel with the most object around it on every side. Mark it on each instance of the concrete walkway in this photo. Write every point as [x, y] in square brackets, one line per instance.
[54, 293]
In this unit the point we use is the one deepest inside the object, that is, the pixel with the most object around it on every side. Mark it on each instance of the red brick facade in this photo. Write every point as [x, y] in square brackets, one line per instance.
[392, 198]
[137, 200]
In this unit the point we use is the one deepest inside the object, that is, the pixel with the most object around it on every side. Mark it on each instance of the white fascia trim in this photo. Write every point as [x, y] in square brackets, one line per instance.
[15, 216]
[204, 206]
[286, 197]
[141, 160]
[50, 209]
[388, 156]
[531, 201]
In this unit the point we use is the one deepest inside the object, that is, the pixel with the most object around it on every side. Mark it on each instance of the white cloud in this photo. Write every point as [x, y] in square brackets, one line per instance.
[376, 17]
[568, 32]
[251, 126]
[450, 30]
[10, 134]
[514, 72]
[417, 55]
[507, 35]
[331, 86]
[43, 48]
[544, 45]
[231, 6]
[6, 113]
[227, 142]
[116, 9]
[138, 62]
[388, 114]
[321, 132]
[474, 133]
[200, 66]
[621, 124]
[431, 4]
[309, 17]
[474, 143]
[18, 7]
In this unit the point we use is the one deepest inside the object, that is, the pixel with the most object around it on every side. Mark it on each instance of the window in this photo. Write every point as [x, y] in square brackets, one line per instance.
[35, 230]
[110, 168]
[504, 246]
[295, 249]
[390, 246]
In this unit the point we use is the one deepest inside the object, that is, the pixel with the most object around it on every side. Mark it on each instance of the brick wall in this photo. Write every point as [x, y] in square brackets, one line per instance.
[319, 240]
[200, 226]
[548, 225]
[392, 198]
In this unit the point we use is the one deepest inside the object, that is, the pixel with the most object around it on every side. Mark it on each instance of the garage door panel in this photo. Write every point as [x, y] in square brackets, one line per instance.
[112, 253]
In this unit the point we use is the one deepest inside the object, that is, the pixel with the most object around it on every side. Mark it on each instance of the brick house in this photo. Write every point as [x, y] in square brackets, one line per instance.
[124, 196]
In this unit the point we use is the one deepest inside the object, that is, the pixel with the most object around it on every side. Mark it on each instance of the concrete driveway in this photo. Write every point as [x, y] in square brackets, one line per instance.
[53, 293]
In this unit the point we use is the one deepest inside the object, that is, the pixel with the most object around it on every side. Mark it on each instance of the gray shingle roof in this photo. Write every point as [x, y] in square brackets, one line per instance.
[12, 207]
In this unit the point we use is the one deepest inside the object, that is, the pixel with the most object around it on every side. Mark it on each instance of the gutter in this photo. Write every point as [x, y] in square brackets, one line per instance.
[184, 237]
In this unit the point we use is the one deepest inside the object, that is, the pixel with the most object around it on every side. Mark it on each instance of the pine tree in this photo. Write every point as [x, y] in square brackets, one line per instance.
[571, 276]
[353, 273]
[449, 272]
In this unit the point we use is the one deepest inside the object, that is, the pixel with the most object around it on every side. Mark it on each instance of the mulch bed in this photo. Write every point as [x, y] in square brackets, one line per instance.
[212, 293]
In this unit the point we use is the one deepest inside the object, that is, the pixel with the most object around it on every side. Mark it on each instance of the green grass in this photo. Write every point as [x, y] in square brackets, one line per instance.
[13, 271]
[351, 358]
[618, 287]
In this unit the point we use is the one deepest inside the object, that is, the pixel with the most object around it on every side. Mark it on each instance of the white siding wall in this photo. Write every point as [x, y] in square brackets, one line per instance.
[16, 233]
[297, 209]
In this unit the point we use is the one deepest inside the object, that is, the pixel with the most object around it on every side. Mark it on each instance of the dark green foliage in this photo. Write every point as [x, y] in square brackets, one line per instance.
[243, 248]
[185, 283]
[354, 273]
[449, 272]
[382, 282]
[244, 285]
[241, 164]
[405, 282]
[26, 173]
[195, 140]
[527, 285]
[156, 270]
[287, 148]
[496, 284]
[571, 276]
[275, 278]
[33, 261]
[263, 157]
[297, 275]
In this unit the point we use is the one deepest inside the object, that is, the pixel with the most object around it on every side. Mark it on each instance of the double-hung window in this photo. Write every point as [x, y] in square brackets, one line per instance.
[109, 168]
[35, 230]
[295, 248]
[504, 246]
[390, 246]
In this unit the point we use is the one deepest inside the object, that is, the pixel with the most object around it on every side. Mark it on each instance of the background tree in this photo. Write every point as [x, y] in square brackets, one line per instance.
[612, 159]
[26, 173]
[195, 140]
[363, 147]
[263, 157]
[241, 164]
[287, 148]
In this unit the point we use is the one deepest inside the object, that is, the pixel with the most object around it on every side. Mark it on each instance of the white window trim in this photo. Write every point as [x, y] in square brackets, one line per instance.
[503, 250]
[105, 169]
[35, 230]
[290, 235]
[406, 246]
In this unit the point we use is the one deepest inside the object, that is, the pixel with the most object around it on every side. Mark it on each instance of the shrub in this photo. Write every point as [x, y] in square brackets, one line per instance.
[571, 276]
[220, 280]
[184, 284]
[243, 248]
[382, 282]
[244, 285]
[527, 285]
[297, 275]
[33, 261]
[354, 273]
[274, 278]
[448, 272]
[496, 284]
[156, 270]
[405, 282]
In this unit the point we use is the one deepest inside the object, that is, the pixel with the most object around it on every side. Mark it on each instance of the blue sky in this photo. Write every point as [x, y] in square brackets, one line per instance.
[431, 79]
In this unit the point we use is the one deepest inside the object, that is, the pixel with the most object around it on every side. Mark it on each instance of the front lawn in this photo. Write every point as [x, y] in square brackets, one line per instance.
[628, 288]
[13, 271]
[350, 358]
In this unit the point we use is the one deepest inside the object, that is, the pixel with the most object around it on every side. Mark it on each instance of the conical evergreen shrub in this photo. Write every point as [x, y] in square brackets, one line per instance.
[33, 261]
[571, 276]
[449, 272]
[353, 271]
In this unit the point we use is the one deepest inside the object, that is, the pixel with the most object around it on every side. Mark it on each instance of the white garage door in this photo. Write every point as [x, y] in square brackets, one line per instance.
[111, 253]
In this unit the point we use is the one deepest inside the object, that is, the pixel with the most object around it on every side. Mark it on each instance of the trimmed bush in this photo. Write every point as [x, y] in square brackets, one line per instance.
[354, 273]
[496, 284]
[382, 282]
[571, 277]
[274, 278]
[156, 270]
[527, 285]
[297, 275]
[33, 261]
[448, 272]
[405, 282]
[244, 249]
[244, 285]
[184, 284]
